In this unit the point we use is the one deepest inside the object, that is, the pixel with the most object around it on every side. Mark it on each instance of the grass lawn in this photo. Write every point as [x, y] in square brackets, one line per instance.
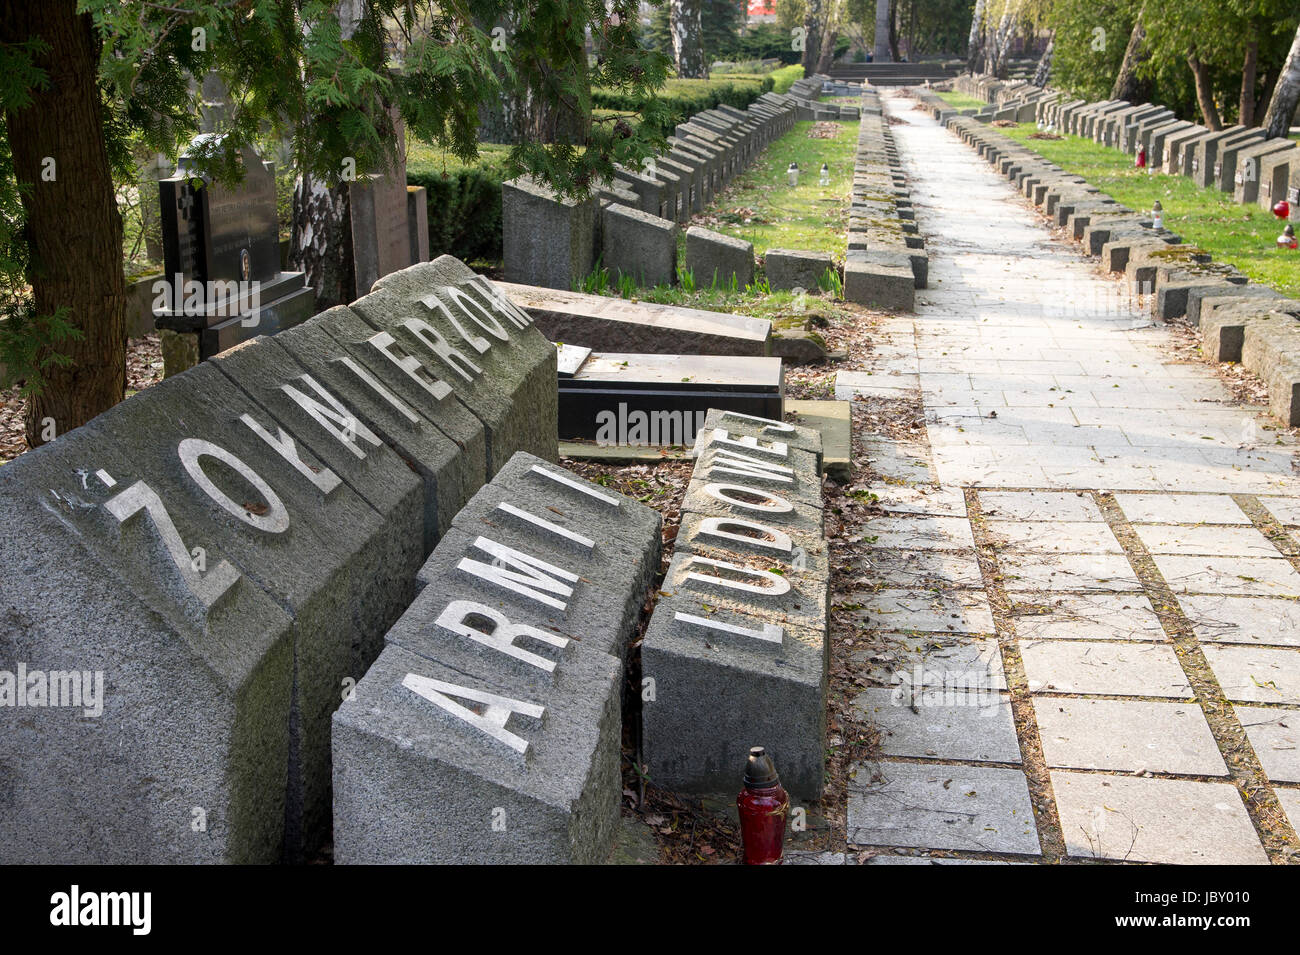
[962, 101]
[1240, 235]
[760, 207]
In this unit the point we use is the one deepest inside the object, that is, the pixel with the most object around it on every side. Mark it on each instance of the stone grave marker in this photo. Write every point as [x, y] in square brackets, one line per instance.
[736, 653]
[222, 282]
[489, 730]
[230, 546]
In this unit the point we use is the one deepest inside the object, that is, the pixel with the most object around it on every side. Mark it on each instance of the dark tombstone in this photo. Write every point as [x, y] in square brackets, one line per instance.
[221, 253]
[654, 400]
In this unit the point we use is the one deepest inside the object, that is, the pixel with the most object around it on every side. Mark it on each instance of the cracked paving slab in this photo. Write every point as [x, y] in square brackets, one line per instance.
[976, 808]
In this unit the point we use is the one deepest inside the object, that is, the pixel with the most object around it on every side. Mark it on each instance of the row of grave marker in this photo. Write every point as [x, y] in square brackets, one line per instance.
[227, 550]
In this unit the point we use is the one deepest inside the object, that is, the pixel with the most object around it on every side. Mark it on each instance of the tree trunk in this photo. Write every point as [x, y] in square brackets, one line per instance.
[894, 54]
[1282, 104]
[1002, 39]
[321, 245]
[1044, 70]
[814, 26]
[1249, 70]
[974, 45]
[1204, 95]
[688, 39]
[1128, 85]
[911, 31]
[880, 52]
[73, 228]
[830, 34]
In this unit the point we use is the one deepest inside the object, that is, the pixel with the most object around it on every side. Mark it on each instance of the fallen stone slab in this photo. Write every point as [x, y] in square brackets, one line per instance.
[489, 729]
[798, 346]
[606, 323]
[491, 357]
[833, 420]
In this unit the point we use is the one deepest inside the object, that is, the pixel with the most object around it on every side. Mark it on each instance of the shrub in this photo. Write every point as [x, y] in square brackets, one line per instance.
[785, 77]
[683, 98]
[464, 202]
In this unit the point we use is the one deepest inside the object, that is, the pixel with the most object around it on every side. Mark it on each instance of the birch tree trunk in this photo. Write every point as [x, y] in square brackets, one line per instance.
[1282, 104]
[1044, 70]
[1002, 39]
[688, 39]
[974, 45]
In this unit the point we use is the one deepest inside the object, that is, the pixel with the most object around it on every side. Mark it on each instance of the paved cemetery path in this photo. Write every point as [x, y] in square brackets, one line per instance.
[1068, 673]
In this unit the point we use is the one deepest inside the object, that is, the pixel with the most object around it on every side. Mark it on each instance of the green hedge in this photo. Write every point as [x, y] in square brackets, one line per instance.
[464, 203]
[684, 98]
[785, 77]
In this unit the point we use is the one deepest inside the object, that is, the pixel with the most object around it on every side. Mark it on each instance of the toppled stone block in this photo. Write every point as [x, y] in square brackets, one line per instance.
[489, 728]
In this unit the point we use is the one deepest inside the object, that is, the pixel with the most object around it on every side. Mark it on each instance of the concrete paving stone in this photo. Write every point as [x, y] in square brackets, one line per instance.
[1251, 576]
[1274, 735]
[1256, 620]
[929, 722]
[979, 808]
[951, 664]
[910, 463]
[809, 857]
[850, 384]
[1205, 539]
[1127, 736]
[1054, 537]
[922, 532]
[1290, 800]
[1256, 674]
[927, 569]
[1285, 509]
[1181, 509]
[1039, 506]
[964, 611]
[891, 859]
[1170, 821]
[1087, 617]
[920, 499]
[1067, 572]
[1104, 669]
